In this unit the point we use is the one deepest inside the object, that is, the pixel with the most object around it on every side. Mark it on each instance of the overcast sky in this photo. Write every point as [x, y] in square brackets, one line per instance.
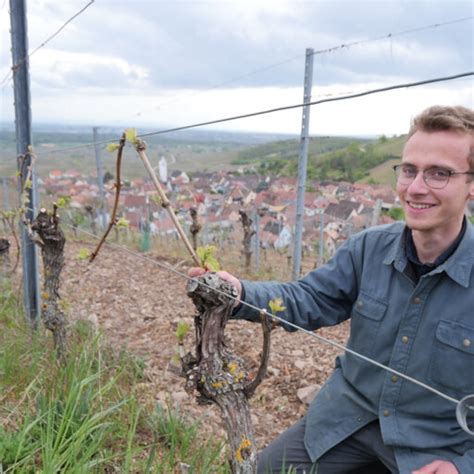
[171, 63]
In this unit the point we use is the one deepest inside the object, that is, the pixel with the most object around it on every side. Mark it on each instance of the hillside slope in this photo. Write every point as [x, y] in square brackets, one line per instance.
[333, 158]
[329, 158]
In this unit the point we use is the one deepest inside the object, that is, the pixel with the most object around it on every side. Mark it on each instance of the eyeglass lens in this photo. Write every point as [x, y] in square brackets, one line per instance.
[434, 177]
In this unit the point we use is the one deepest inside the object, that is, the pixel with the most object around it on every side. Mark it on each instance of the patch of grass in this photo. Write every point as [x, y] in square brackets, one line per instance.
[185, 444]
[82, 416]
[21, 353]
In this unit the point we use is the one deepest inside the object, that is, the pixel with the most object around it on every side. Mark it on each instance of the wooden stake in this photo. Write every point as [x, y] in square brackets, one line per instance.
[141, 147]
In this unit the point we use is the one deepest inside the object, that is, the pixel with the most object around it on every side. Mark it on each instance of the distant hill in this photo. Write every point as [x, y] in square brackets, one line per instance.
[333, 158]
[69, 147]
[289, 149]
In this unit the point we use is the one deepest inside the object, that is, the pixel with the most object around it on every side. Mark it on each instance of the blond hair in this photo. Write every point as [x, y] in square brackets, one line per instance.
[444, 118]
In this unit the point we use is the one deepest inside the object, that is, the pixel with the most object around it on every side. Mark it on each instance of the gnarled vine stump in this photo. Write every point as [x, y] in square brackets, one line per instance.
[90, 211]
[218, 375]
[247, 239]
[4, 257]
[195, 226]
[52, 240]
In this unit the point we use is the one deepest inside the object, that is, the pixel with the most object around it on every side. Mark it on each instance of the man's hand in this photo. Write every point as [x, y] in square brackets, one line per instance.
[437, 467]
[198, 271]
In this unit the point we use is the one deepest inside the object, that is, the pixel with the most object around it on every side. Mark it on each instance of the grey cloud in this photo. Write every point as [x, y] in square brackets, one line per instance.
[204, 54]
[107, 77]
[202, 44]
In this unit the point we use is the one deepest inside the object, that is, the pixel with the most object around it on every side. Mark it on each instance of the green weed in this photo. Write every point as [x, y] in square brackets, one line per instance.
[181, 441]
[82, 417]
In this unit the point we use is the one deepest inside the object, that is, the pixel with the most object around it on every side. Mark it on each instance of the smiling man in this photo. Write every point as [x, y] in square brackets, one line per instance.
[432, 184]
[408, 289]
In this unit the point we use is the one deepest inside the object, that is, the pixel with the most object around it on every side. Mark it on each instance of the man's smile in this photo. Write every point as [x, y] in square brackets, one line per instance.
[419, 205]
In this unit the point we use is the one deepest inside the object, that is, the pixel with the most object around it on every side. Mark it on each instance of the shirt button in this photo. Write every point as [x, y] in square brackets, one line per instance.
[386, 413]
[405, 339]
[360, 304]
[466, 342]
[394, 378]
[416, 300]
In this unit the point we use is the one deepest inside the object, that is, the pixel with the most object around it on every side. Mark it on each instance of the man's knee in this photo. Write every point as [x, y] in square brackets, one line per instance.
[287, 450]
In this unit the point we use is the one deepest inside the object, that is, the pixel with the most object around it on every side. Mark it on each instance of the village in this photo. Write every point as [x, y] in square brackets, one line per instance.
[338, 209]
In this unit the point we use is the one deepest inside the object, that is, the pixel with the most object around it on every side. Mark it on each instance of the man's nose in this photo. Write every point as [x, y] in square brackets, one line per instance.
[418, 184]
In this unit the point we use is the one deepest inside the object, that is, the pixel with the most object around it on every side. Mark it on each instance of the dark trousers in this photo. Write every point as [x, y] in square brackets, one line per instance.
[361, 453]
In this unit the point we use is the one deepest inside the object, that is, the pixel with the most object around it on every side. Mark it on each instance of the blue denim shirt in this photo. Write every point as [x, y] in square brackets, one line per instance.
[425, 330]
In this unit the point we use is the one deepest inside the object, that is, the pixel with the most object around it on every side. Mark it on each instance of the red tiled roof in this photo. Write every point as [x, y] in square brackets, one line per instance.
[132, 200]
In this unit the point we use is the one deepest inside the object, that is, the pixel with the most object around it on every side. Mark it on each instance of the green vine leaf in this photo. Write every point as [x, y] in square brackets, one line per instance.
[111, 147]
[276, 305]
[207, 258]
[123, 223]
[156, 199]
[131, 135]
[8, 214]
[83, 254]
[63, 201]
[181, 331]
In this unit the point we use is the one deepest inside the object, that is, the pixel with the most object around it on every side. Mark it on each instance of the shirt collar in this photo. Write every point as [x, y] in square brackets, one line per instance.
[396, 253]
[458, 266]
[413, 256]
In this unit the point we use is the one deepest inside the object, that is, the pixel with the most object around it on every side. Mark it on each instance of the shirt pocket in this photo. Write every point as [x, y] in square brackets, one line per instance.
[366, 318]
[452, 360]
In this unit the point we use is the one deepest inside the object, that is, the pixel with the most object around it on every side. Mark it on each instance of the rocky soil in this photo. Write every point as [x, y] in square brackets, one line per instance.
[137, 304]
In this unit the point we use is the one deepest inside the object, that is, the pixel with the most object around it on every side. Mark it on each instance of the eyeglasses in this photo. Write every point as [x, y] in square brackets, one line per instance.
[435, 177]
